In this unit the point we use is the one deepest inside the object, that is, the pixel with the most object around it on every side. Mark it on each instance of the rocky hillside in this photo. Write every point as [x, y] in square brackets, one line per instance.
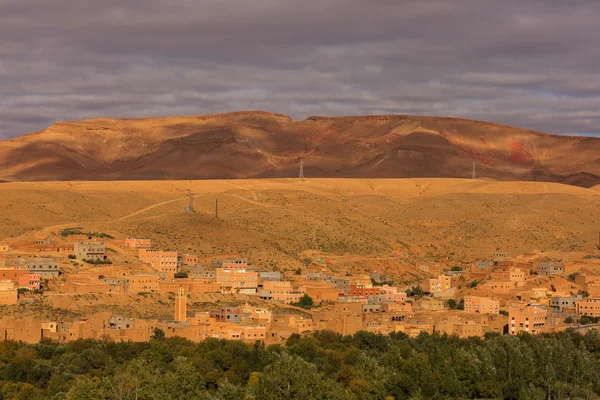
[260, 144]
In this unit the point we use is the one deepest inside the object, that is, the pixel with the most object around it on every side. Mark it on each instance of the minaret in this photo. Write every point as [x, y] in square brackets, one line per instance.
[301, 175]
[180, 306]
[473, 176]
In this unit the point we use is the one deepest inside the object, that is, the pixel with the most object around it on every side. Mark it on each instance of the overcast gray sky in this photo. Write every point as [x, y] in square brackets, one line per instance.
[533, 63]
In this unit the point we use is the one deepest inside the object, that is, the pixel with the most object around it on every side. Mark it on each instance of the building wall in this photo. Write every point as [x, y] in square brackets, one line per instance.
[142, 283]
[44, 266]
[89, 250]
[284, 291]
[237, 280]
[355, 290]
[322, 292]
[8, 297]
[29, 281]
[133, 243]
[549, 268]
[526, 319]
[165, 261]
[12, 274]
[483, 305]
[190, 259]
[437, 285]
[239, 263]
[589, 307]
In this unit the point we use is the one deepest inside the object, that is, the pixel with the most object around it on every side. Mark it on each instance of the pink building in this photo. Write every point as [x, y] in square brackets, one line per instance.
[29, 281]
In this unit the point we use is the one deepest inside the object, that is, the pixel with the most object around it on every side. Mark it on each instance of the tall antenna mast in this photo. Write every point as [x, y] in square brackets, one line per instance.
[190, 207]
[301, 175]
[473, 176]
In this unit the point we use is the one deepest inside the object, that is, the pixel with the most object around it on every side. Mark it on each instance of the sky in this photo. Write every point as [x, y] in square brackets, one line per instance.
[533, 64]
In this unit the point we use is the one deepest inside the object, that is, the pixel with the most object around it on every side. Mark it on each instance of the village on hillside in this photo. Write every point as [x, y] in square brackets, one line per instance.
[505, 294]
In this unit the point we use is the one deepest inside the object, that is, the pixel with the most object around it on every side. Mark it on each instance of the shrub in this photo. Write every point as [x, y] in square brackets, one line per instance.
[305, 302]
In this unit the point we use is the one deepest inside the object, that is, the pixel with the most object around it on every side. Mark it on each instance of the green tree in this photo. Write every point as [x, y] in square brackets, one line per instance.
[305, 302]
[85, 388]
[181, 275]
[158, 334]
[290, 377]
[184, 382]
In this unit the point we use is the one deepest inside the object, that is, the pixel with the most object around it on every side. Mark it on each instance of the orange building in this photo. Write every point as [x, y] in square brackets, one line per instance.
[190, 286]
[27, 330]
[133, 243]
[589, 307]
[132, 284]
[396, 307]
[12, 274]
[517, 275]
[343, 318]
[8, 293]
[237, 280]
[483, 305]
[437, 285]
[188, 259]
[321, 291]
[142, 283]
[165, 261]
[494, 287]
[526, 319]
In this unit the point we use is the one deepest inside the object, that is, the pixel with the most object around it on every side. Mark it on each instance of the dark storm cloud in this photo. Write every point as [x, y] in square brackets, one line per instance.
[530, 64]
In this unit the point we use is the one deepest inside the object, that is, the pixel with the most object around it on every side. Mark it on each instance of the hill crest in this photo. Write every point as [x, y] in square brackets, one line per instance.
[249, 144]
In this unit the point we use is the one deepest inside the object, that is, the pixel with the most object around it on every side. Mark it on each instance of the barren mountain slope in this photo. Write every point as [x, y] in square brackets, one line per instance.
[279, 222]
[260, 144]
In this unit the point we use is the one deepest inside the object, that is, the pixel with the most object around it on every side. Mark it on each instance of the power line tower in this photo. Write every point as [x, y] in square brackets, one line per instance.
[190, 207]
[473, 176]
[301, 175]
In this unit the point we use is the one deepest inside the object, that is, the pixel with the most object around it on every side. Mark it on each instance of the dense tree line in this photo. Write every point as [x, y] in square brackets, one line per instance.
[323, 365]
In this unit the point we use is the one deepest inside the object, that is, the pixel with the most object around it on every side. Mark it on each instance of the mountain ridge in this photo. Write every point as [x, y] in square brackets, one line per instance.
[248, 144]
